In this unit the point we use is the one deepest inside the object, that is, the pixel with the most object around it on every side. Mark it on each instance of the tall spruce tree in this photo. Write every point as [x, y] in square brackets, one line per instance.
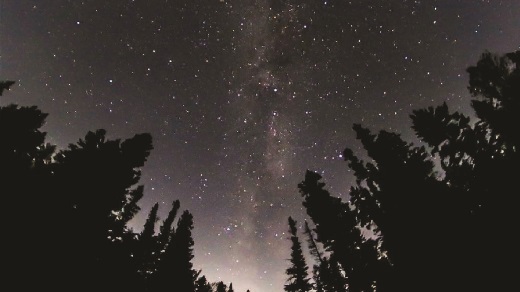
[399, 185]
[166, 229]
[149, 226]
[175, 267]
[147, 245]
[298, 280]
[338, 230]
[327, 274]
[319, 263]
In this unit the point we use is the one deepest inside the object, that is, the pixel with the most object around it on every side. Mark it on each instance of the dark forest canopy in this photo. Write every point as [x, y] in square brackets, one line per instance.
[67, 213]
[442, 214]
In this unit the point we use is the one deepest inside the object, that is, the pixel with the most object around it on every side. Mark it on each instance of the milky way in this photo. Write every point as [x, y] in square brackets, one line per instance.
[241, 97]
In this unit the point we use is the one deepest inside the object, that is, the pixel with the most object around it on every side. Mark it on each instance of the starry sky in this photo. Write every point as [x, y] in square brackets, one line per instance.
[242, 96]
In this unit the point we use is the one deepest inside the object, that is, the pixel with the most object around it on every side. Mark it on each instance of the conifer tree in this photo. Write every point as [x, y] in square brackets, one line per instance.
[298, 280]
[318, 258]
[22, 141]
[478, 159]
[175, 267]
[397, 186]
[327, 274]
[166, 229]
[93, 181]
[149, 226]
[231, 288]
[338, 230]
[202, 285]
[147, 243]
[24, 174]
[221, 287]
[313, 246]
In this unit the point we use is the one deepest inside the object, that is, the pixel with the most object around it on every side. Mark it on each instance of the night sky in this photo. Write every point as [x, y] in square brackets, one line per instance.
[242, 96]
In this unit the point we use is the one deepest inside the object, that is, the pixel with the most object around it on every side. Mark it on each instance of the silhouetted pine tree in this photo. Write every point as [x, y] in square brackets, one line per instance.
[22, 146]
[166, 229]
[175, 268]
[298, 280]
[147, 245]
[313, 246]
[333, 279]
[327, 274]
[202, 285]
[318, 258]
[221, 287]
[399, 185]
[93, 181]
[149, 226]
[338, 230]
[495, 83]
[231, 288]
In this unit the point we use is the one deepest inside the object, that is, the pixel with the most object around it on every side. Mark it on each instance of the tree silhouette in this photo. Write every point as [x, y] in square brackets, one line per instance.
[202, 285]
[231, 288]
[34, 176]
[494, 80]
[435, 211]
[144, 254]
[318, 259]
[298, 280]
[149, 226]
[166, 229]
[337, 229]
[22, 145]
[221, 287]
[478, 160]
[76, 207]
[94, 181]
[24, 170]
[400, 185]
[327, 273]
[107, 171]
[175, 268]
